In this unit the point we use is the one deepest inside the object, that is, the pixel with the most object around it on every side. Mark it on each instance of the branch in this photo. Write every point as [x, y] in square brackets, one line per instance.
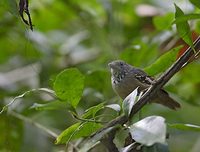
[160, 82]
[164, 78]
[107, 141]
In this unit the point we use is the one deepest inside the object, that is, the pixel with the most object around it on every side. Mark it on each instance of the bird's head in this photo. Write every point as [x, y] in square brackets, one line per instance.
[119, 67]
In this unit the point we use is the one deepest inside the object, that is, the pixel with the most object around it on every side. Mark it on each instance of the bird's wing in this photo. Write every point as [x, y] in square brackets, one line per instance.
[143, 77]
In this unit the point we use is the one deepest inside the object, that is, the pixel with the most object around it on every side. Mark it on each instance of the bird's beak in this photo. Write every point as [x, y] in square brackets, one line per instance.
[111, 65]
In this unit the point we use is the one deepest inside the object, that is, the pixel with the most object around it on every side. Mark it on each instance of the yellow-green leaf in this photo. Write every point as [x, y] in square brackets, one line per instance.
[183, 27]
[163, 22]
[76, 131]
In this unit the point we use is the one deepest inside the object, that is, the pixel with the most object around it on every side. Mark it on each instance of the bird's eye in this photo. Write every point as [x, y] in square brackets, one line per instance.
[121, 64]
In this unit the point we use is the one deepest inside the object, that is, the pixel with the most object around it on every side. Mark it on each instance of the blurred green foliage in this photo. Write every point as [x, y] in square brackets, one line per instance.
[87, 35]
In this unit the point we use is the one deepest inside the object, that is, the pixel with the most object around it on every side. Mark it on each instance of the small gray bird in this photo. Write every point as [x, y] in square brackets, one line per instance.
[126, 78]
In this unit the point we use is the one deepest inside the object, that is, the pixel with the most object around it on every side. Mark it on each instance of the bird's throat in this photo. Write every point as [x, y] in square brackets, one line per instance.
[118, 77]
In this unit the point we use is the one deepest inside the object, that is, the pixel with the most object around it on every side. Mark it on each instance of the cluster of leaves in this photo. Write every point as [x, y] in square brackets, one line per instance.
[71, 89]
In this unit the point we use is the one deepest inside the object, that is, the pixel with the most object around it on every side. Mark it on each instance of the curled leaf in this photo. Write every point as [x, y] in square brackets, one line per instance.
[91, 112]
[183, 27]
[115, 107]
[129, 101]
[23, 8]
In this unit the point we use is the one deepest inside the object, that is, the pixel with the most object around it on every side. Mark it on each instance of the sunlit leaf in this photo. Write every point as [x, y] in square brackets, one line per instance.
[76, 131]
[69, 86]
[149, 130]
[163, 22]
[48, 91]
[185, 127]
[183, 27]
[163, 62]
[87, 129]
[115, 107]
[186, 17]
[67, 134]
[129, 101]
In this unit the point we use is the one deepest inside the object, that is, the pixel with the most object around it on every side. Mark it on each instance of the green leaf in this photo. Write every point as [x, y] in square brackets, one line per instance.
[67, 134]
[129, 101]
[93, 110]
[53, 105]
[183, 27]
[69, 85]
[196, 3]
[185, 127]
[163, 62]
[87, 129]
[48, 91]
[163, 22]
[186, 17]
[76, 131]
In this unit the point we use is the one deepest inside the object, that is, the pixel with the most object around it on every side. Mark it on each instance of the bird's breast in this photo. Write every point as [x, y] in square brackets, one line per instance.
[124, 87]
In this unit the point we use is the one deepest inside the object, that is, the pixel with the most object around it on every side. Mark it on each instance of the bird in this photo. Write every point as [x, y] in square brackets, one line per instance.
[125, 78]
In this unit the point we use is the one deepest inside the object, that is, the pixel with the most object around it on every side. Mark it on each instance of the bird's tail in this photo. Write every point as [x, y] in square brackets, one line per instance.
[164, 99]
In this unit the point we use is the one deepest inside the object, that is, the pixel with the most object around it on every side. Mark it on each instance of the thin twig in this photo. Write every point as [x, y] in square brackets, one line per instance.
[87, 120]
[46, 90]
